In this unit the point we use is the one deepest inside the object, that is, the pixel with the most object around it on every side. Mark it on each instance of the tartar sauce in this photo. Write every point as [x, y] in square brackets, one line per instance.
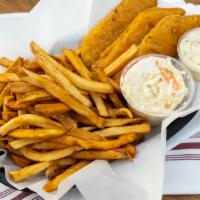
[154, 85]
[189, 52]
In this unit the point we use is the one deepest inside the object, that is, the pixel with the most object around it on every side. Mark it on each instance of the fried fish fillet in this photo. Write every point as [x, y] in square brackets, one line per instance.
[164, 37]
[109, 28]
[135, 32]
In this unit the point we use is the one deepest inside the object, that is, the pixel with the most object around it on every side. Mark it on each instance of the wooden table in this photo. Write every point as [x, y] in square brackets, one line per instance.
[8, 6]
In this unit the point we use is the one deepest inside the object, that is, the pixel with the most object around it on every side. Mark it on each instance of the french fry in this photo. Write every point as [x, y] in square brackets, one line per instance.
[77, 63]
[5, 62]
[8, 115]
[51, 109]
[31, 65]
[82, 83]
[58, 167]
[35, 96]
[5, 92]
[84, 72]
[27, 172]
[104, 145]
[53, 184]
[48, 145]
[82, 119]
[50, 155]
[48, 64]
[63, 96]
[37, 133]
[127, 152]
[17, 144]
[121, 121]
[115, 85]
[99, 73]
[120, 112]
[28, 119]
[9, 77]
[54, 170]
[20, 161]
[86, 135]
[15, 105]
[65, 120]
[121, 61]
[88, 128]
[21, 87]
[2, 122]
[116, 131]
[77, 51]
[99, 102]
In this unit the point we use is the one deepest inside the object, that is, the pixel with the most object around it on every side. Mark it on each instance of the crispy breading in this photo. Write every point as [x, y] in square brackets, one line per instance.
[135, 32]
[109, 28]
[164, 37]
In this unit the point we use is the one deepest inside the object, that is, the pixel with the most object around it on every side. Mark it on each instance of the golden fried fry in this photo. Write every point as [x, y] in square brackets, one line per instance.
[17, 144]
[99, 72]
[28, 171]
[50, 155]
[104, 145]
[28, 119]
[31, 65]
[48, 145]
[134, 34]
[53, 184]
[121, 121]
[86, 135]
[20, 161]
[115, 85]
[116, 131]
[35, 96]
[121, 112]
[110, 28]
[63, 96]
[58, 167]
[121, 61]
[77, 63]
[51, 67]
[37, 133]
[5, 62]
[51, 109]
[101, 107]
[88, 128]
[21, 87]
[127, 152]
[9, 77]
[65, 120]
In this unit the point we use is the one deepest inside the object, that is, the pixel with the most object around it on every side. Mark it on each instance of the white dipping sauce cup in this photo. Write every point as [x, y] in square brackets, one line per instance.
[194, 50]
[156, 118]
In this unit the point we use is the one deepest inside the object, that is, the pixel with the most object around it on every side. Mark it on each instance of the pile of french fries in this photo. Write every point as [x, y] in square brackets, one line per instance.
[58, 116]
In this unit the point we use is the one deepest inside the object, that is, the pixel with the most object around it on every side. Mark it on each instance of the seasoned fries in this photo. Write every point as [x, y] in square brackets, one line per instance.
[20, 161]
[37, 133]
[116, 131]
[58, 116]
[28, 171]
[5, 62]
[53, 184]
[63, 96]
[51, 109]
[9, 77]
[50, 155]
[127, 152]
[28, 119]
[121, 61]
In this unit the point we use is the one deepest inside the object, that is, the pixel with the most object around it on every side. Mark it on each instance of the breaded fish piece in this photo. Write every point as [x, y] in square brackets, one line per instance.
[109, 28]
[164, 37]
[135, 32]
